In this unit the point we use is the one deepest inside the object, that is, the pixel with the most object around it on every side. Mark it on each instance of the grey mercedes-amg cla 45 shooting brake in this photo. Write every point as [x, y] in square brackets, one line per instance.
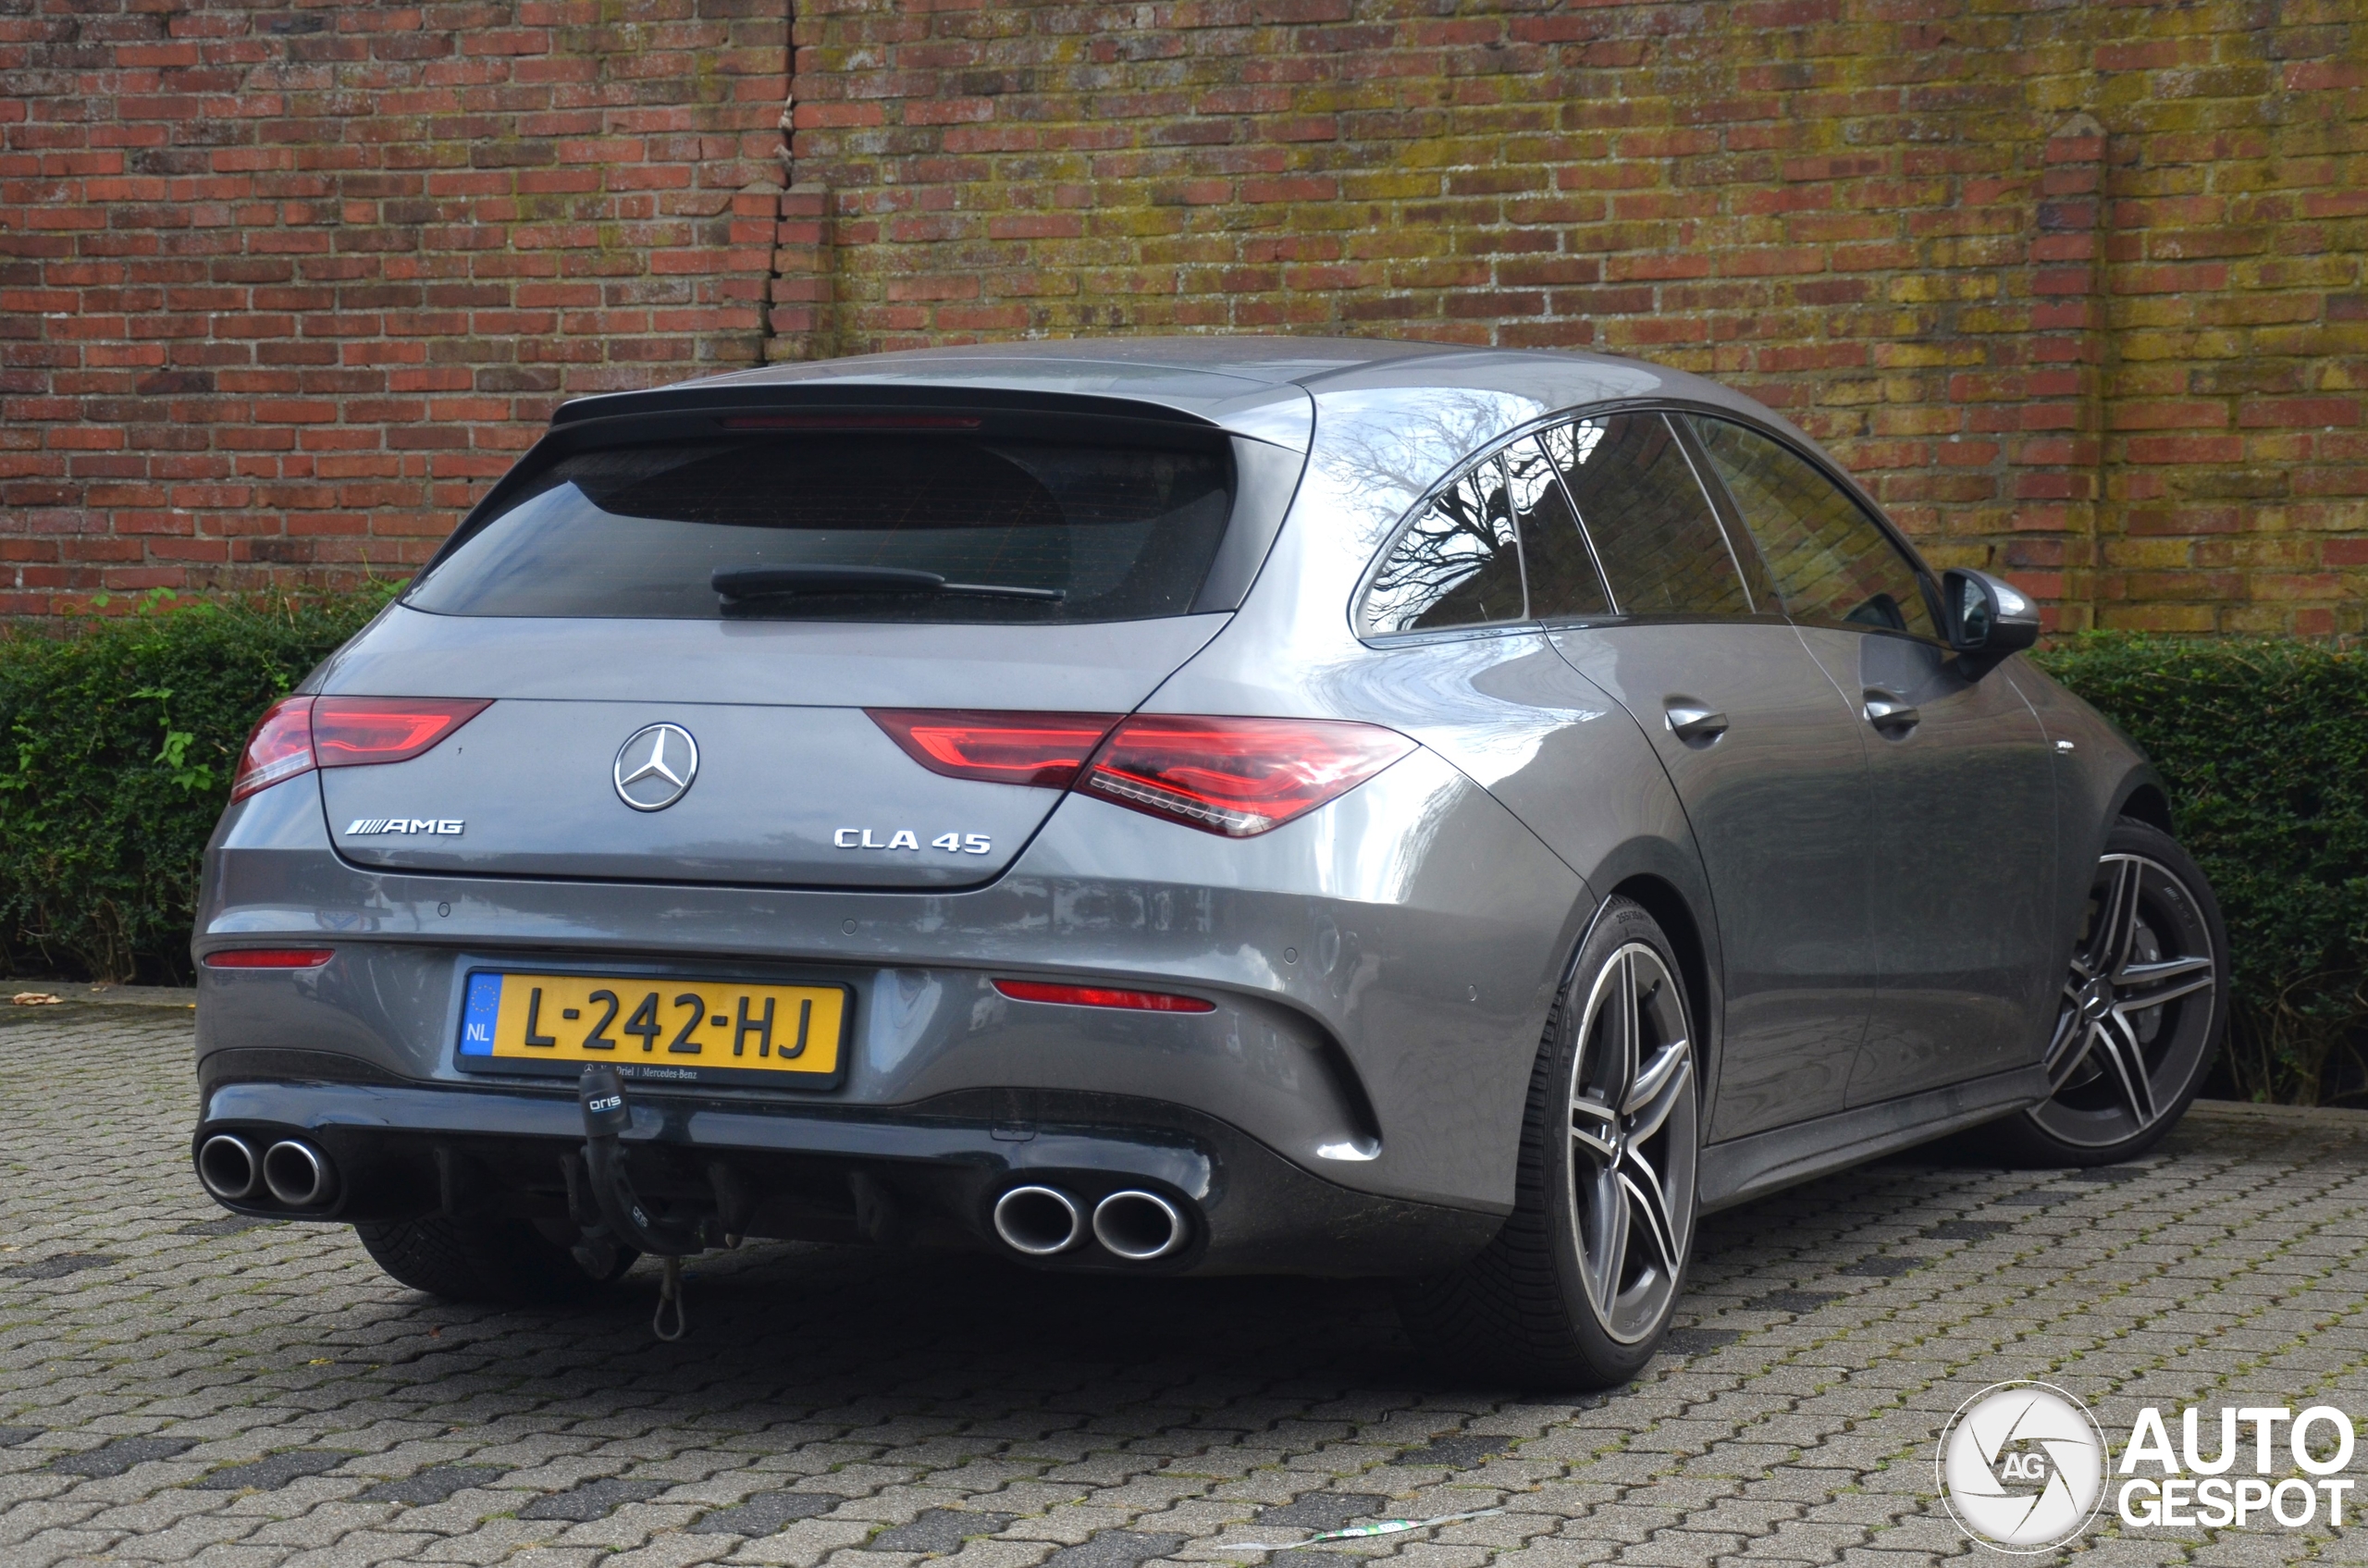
[1185, 807]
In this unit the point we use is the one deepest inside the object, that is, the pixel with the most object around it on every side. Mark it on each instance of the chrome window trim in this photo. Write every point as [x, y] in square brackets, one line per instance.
[1664, 406]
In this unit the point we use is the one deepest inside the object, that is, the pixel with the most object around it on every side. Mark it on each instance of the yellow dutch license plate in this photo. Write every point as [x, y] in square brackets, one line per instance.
[682, 1031]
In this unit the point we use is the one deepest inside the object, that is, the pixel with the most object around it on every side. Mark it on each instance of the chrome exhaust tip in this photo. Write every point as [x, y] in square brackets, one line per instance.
[227, 1166]
[1139, 1225]
[298, 1174]
[1039, 1221]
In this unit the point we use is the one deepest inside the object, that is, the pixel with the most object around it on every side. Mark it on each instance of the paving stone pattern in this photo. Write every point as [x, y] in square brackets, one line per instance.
[261, 1397]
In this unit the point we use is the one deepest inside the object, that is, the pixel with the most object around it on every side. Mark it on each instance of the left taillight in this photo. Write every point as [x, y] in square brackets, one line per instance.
[1046, 750]
[280, 747]
[298, 733]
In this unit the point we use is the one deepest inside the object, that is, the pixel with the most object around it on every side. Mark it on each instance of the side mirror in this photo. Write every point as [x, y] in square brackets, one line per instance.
[1987, 619]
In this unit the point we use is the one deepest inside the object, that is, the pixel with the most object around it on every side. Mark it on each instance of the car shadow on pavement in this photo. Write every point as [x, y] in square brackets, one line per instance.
[785, 1316]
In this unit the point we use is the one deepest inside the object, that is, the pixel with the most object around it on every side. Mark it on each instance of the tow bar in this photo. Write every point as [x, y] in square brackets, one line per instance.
[623, 1213]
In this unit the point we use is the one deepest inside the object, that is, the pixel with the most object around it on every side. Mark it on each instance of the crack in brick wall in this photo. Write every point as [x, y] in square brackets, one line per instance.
[283, 288]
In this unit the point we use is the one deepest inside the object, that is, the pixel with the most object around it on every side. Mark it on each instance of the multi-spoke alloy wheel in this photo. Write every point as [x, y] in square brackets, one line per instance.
[2141, 1009]
[1578, 1287]
[1633, 1143]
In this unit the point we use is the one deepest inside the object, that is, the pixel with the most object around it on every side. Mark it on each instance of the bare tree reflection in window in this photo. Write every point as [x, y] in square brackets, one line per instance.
[1458, 565]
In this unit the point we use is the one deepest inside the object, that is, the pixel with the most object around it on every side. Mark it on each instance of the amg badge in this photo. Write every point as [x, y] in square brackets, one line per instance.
[449, 827]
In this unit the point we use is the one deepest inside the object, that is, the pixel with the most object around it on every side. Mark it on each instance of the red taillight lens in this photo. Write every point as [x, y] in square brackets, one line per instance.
[280, 747]
[349, 731]
[269, 958]
[1102, 996]
[1044, 749]
[298, 733]
[1237, 777]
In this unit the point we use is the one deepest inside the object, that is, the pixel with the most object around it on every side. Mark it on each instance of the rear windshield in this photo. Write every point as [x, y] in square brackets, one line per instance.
[848, 526]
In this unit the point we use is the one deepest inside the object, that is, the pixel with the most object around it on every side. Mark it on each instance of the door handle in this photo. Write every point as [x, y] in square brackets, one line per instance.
[1692, 723]
[1889, 714]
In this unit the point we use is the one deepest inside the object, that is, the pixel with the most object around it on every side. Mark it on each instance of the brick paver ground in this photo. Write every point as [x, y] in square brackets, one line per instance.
[176, 1386]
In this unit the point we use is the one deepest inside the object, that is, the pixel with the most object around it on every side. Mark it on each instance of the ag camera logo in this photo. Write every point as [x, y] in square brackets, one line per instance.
[2022, 1467]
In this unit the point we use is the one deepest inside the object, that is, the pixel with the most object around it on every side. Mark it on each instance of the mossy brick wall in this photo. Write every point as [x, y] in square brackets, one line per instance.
[2076, 287]
[283, 287]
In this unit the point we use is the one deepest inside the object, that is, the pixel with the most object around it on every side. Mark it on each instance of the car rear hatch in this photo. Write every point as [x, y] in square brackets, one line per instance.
[705, 647]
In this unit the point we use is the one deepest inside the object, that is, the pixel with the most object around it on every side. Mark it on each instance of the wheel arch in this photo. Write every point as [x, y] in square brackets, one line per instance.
[2147, 801]
[1675, 917]
[1664, 875]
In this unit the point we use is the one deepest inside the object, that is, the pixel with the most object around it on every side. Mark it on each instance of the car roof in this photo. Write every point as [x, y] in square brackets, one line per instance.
[1267, 388]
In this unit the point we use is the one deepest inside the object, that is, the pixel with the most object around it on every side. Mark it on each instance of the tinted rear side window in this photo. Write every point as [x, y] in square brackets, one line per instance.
[1661, 544]
[1562, 578]
[1093, 532]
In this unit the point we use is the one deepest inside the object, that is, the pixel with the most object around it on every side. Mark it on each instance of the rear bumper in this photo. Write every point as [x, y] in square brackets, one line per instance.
[927, 1174]
[1379, 970]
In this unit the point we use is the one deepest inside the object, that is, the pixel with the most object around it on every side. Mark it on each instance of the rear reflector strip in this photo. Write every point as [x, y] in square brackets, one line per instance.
[1101, 996]
[270, 958]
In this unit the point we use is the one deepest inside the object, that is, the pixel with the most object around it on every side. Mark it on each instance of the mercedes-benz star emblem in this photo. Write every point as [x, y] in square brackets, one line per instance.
[654, 767]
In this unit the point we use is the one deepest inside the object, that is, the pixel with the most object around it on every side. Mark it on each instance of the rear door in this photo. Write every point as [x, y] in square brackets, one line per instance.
[1960, 839]
[1469, 673]
[734, 658]
[1765, 757]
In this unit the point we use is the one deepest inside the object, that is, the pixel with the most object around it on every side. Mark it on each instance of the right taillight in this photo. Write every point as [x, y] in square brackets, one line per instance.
[1044, 749]
[298, 733]
[1237, 777]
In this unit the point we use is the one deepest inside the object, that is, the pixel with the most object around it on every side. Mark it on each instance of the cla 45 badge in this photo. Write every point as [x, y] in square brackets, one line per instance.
[906, 838]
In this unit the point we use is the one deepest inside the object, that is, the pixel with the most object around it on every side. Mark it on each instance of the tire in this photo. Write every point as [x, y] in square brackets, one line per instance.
[497, 1263]
[1578, 1287]
[2140, 1016]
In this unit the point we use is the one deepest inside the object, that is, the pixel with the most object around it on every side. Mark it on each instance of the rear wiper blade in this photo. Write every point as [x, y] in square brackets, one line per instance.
[763, 582]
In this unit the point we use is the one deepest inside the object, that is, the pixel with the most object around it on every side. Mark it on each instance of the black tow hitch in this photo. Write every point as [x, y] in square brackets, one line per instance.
[621, 1213]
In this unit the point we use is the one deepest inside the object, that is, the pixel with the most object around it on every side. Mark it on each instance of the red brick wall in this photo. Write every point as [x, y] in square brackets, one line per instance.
[283, 287]
[2076, 287]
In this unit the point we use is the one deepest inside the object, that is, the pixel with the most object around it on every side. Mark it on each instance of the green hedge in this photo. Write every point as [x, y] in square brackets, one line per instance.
[120, 736]
[2264, 745]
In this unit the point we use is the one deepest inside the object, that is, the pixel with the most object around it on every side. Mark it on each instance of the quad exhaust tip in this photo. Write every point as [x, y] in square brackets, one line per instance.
[1039, 1221]
[1139, 1225]
[227, 1166]
[298, 1174]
